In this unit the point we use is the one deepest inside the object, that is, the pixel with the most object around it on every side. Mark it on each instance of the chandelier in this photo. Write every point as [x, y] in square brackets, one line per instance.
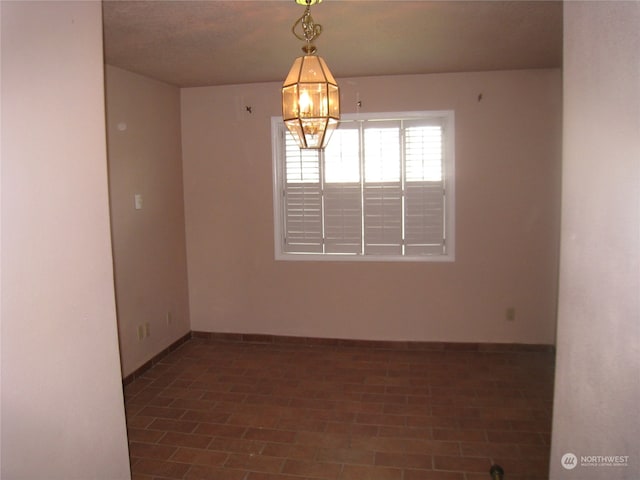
[310, 94]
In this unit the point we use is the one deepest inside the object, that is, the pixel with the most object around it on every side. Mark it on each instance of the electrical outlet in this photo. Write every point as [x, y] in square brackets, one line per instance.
[147, 329]
[510, 314]
[140, 332]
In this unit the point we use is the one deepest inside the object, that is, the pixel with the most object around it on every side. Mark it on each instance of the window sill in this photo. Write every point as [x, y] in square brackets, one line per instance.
[349, 257]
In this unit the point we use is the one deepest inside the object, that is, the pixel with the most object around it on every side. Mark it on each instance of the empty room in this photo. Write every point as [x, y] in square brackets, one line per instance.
[334, 240]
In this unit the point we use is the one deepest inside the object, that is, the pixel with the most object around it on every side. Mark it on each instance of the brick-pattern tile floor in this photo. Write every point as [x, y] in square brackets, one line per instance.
[248, 411]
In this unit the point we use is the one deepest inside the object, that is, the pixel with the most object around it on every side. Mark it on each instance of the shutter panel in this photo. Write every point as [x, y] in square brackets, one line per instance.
[424, 218]
[342, 193]
[303, 218]
[382, 189]
[383, 219]
[302, 199]
[424, 190]
[343, 218]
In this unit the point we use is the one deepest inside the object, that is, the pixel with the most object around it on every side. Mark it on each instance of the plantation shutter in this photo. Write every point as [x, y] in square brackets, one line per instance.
[342, 193]
[424, 188]
[382, 195]
[302, 199]
[378, 189]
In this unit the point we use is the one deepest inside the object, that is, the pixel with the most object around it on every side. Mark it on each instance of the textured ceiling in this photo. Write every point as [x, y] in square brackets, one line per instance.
[198, 43]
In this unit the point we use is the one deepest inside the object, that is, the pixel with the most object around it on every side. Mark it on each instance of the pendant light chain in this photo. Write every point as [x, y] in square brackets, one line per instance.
[310, 29]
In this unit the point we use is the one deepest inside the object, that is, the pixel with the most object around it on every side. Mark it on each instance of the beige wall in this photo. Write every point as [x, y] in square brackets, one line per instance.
[143, 125]
[598, 358]
[62, 406]
[507, 218]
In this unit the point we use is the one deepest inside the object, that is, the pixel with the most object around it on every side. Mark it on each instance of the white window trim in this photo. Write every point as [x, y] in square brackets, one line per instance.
[277, 143]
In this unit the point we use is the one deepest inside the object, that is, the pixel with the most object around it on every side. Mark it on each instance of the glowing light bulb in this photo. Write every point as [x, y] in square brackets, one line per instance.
[306, 104]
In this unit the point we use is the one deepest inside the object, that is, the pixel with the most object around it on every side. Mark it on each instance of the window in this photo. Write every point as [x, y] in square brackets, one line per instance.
[381, 190]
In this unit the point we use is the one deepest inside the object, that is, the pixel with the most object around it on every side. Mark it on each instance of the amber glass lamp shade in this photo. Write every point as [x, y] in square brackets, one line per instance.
[310, 102]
